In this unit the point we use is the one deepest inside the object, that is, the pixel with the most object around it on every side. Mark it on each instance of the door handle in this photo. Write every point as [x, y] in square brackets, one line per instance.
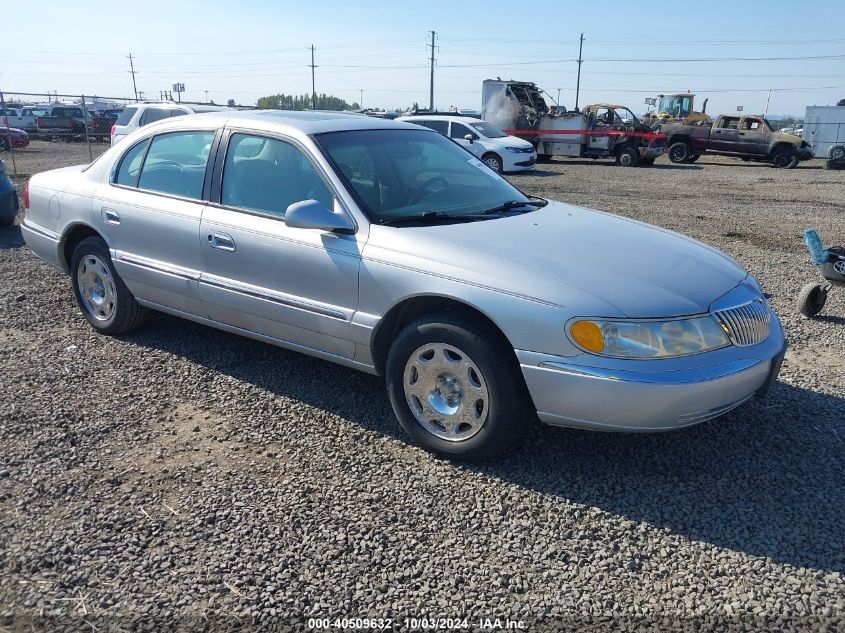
[742, 133]
[110, 216]
[222, 241]
[717, 131]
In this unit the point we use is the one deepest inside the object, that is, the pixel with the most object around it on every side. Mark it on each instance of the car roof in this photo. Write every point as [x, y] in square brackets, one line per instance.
[442, 117]
[306, 122]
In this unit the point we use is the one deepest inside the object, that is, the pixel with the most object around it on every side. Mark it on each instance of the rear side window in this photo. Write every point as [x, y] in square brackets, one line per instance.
[154, 114]
[175, 163]
[130, 165]
[126, 116]
[437, 126]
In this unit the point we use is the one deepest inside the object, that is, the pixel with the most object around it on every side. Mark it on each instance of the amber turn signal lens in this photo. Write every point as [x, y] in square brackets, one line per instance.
[588, 335]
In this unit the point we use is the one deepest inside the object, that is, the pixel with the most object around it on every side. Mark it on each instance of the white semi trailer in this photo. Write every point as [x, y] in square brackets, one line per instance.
[824, 129]
[601, 130]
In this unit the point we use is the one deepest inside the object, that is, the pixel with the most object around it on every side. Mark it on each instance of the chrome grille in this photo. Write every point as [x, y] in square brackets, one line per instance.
[747, 324]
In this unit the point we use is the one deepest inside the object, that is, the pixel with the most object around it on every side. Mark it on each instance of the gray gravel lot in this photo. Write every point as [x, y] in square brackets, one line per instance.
[184, 476]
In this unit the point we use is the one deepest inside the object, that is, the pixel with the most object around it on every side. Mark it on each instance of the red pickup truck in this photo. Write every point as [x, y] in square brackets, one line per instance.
[64, 122]
[750, 138]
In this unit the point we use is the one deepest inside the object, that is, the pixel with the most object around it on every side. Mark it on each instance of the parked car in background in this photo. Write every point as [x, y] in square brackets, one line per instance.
[750, 138]
[102, 123]
[10, 113]
[64, 121]
[12, 136]
[138, 115]
[499, 151]
[8, 198]
[25, 120]
[383, 246]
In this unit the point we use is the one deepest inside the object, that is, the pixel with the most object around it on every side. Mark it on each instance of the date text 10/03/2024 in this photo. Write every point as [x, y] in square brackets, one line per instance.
[418, 623]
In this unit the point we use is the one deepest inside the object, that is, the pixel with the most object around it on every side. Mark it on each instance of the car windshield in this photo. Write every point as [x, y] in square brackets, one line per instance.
[398, 174]
[488, 130]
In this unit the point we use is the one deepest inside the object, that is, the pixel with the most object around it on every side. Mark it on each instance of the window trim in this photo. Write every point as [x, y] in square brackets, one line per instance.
[216, 185]
[203, 199]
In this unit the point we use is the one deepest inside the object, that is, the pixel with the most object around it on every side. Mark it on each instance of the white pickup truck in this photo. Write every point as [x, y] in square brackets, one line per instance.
[24, 118]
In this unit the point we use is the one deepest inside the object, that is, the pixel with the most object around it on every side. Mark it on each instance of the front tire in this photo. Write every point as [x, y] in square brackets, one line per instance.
[494, 162]
[104, 299]
[811, 300]
[785, 158]
[455, 387]
[627, 157]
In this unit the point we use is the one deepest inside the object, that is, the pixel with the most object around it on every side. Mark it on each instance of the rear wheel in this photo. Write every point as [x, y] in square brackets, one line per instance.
[455, 388]
[811, 300]
[680, 152]
[4, 143]
[493, 162]
[102, 296]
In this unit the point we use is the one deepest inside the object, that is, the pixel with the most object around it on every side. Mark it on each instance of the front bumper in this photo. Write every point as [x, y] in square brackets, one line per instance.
[652, 395]
[518, 162]
[805, 153]
[652, 152]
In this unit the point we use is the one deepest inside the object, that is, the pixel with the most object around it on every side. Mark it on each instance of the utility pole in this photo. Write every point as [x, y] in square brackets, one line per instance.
[206, 96]
[558, 96]
[769, 98]
[132, 71]
[431, 86]
[313, 88]
[361, 102]
[580, 61]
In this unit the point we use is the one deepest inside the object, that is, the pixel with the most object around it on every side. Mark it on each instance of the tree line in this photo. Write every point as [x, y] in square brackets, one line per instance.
[303, 102]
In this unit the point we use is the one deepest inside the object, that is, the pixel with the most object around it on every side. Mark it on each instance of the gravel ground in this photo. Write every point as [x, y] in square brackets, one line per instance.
[184, 477]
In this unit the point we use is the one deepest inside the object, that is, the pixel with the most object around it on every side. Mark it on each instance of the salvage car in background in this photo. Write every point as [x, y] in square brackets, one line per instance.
[750, 138]
[499, 151]
[10, 136]
[384, 247]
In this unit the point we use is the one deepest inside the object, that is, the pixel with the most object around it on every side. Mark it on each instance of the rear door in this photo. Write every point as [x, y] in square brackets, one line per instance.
[294, 285]
[150, 211]
[724, 137]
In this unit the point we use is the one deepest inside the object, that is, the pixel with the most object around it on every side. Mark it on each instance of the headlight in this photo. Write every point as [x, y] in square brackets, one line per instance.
[514, 150]
[648, 339]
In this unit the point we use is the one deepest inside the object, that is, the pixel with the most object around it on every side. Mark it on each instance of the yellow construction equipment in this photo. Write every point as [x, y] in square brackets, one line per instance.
[678, 108]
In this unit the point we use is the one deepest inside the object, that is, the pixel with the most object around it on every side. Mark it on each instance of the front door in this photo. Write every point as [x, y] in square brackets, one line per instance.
[458, 133]
[753, 136]
[149, 213]
[298, 286]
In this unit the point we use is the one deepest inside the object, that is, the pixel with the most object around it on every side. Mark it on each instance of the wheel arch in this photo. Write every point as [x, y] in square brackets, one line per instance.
[411, 308]
[781, 145]
[71, 237]
[678, 138]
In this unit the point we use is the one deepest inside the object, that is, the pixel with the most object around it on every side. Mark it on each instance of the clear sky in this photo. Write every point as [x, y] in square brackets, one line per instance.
[243, 50]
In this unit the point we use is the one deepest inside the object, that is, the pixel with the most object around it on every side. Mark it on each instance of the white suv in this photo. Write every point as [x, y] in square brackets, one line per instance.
[141, 114]
[496, 149]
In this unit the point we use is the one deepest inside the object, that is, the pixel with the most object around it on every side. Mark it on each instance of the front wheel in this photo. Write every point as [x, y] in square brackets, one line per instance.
[811, 300]
[627, 157]
[455, 388]
[785, 158]
[102, 296]
[494, 162]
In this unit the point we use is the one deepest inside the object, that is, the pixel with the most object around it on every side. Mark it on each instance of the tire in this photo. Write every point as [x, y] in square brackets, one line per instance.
[833, 165]
[627, 157]
[544, 158]
[784, 158]
[646, 162]
[4, 144]
[469, 357]
[493, 161]
[693, 158]
[680, 152]
[100, 293]
[811, 300]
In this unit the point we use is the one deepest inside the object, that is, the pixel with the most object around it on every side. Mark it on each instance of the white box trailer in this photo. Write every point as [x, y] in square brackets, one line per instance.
[824, 129]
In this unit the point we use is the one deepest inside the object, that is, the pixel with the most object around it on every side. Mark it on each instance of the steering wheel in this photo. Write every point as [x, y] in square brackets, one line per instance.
[416, 197]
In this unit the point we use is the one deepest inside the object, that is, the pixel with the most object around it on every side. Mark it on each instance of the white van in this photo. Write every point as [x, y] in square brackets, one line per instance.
[496, 149]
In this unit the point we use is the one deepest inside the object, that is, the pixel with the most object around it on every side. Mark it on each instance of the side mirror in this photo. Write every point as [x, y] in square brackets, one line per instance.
[310, 214]
[470, 138]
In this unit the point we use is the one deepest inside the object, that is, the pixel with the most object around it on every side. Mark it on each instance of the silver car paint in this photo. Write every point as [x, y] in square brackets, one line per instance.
[326, 294]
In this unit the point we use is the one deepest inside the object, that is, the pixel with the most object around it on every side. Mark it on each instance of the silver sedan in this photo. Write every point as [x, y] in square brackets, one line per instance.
[388, 248]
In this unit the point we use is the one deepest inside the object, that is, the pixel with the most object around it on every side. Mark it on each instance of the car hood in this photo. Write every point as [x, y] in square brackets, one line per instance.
[509, 141]
[561, 253]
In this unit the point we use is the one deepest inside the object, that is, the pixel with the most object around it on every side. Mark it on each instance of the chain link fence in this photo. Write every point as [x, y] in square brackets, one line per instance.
[56, 117]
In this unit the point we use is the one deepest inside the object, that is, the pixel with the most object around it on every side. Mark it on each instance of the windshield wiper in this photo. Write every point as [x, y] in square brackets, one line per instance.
[513, 204]
[427, 217]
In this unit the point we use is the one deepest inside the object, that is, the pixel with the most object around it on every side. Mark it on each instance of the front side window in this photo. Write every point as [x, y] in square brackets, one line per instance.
[130, 165]
[175, 163]
[459, 131]
[754, 125]
[406, 173]
[268, 175]
[488, 130]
